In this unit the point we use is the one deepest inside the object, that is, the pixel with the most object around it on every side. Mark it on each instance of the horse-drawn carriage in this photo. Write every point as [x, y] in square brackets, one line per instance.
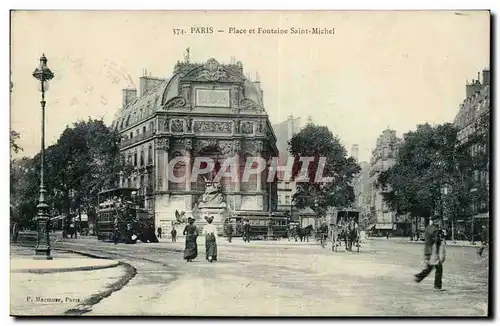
[345, 229]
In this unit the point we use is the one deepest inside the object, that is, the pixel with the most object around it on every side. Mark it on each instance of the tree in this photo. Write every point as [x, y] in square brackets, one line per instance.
[84, 160]
[14, 136]
[428, 161]
[318, 141]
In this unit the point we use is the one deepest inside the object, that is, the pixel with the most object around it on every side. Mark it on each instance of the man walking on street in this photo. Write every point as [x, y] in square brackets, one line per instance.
[434, 252]
[159, 232]
[229, 231]
[174, 234]
[246, 231]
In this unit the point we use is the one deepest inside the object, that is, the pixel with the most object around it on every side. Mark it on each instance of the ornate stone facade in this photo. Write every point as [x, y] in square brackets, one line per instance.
[212, 126]
[203, 109]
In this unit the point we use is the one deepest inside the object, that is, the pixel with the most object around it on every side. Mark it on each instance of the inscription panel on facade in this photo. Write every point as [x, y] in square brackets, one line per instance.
[213, 98]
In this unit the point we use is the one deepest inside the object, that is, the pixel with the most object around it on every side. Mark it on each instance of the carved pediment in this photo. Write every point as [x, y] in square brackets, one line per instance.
[176, 102]
[212, 71]
[248, 104]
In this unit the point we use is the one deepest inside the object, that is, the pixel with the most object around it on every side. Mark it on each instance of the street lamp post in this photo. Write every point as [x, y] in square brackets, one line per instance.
[42, 249]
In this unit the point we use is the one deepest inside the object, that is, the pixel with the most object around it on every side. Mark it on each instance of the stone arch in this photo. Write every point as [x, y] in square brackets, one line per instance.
[213, 151]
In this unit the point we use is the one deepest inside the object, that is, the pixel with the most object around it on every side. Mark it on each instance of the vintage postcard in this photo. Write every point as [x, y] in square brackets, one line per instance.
[250, 163]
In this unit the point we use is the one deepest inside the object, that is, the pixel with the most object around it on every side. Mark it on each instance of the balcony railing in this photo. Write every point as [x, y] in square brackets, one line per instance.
[137, 138]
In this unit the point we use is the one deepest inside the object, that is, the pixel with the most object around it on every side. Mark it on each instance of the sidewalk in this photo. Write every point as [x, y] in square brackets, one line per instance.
[66, 285]
[456, 243]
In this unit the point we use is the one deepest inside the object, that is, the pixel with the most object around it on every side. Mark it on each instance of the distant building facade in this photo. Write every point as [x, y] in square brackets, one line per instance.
[471, 121]
[363, 195]
[383, 158]
[284, 131]
[355, 152]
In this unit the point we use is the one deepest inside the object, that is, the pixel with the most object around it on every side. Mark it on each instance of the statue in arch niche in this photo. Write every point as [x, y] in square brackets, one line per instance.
[212, 198]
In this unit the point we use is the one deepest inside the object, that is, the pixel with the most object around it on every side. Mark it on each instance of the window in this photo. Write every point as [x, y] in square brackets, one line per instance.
[287, 199]
[137, 132]
[131, 135]
[150, 154]
[135, 159]
[144, 129]
[142, 158]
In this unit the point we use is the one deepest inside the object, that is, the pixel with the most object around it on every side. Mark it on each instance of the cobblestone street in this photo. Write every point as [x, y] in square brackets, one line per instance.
[264, 278]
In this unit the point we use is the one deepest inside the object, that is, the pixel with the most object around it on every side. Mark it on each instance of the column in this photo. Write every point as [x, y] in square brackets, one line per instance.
[188, 145]
[161, 164]
[157, 183]
[188, 170]
[166, 146]
[259, 177]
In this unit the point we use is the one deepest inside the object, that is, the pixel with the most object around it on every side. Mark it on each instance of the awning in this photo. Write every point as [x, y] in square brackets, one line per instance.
[370, 227]
[384, 226]
[482, 215]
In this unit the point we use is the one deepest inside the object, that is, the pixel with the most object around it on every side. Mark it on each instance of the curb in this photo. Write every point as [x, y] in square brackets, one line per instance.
[48, 270]
[86, 305]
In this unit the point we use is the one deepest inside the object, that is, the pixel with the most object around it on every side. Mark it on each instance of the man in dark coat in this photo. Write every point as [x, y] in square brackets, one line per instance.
[246, 231]
[434, 253]
[174, 234]
[229, 231]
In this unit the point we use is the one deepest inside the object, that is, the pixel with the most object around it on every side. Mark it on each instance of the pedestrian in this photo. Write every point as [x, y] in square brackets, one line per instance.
[334, 235]
[191, 247]
[72, 229]
[434, 253]
[229, 231]
[115, 233]
[210, 232]
[173, 233]
[246, 231]
[159, 232]
[484, 241]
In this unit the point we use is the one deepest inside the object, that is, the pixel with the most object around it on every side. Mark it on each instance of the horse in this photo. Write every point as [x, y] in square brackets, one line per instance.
[305, 232]
[352, 236]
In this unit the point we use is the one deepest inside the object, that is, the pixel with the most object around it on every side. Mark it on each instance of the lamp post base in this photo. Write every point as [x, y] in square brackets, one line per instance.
[42, 253]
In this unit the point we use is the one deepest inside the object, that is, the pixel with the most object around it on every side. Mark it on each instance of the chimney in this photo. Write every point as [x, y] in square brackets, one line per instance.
[128, 96]
[147, 83]
[257, 85]
[240, 66]
[472, 88]
[486, 76]
[355, 152]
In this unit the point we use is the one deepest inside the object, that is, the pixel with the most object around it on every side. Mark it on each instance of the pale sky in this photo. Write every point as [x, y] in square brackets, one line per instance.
[379, 69]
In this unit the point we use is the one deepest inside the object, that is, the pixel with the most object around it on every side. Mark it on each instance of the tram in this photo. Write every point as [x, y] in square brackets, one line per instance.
[262, 224]
[122, 218]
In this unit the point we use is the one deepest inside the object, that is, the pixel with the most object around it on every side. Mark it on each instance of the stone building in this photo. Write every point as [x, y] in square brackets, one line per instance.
[286, 188]
[363, 194]
[383, 158]
[203, 110]
[471, 121]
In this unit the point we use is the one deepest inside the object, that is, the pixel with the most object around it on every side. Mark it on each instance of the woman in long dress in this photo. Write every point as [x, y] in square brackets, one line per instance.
[210, 232]
[191, 233]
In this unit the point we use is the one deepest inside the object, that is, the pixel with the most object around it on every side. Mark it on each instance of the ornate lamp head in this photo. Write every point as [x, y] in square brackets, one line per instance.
[42, 72]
